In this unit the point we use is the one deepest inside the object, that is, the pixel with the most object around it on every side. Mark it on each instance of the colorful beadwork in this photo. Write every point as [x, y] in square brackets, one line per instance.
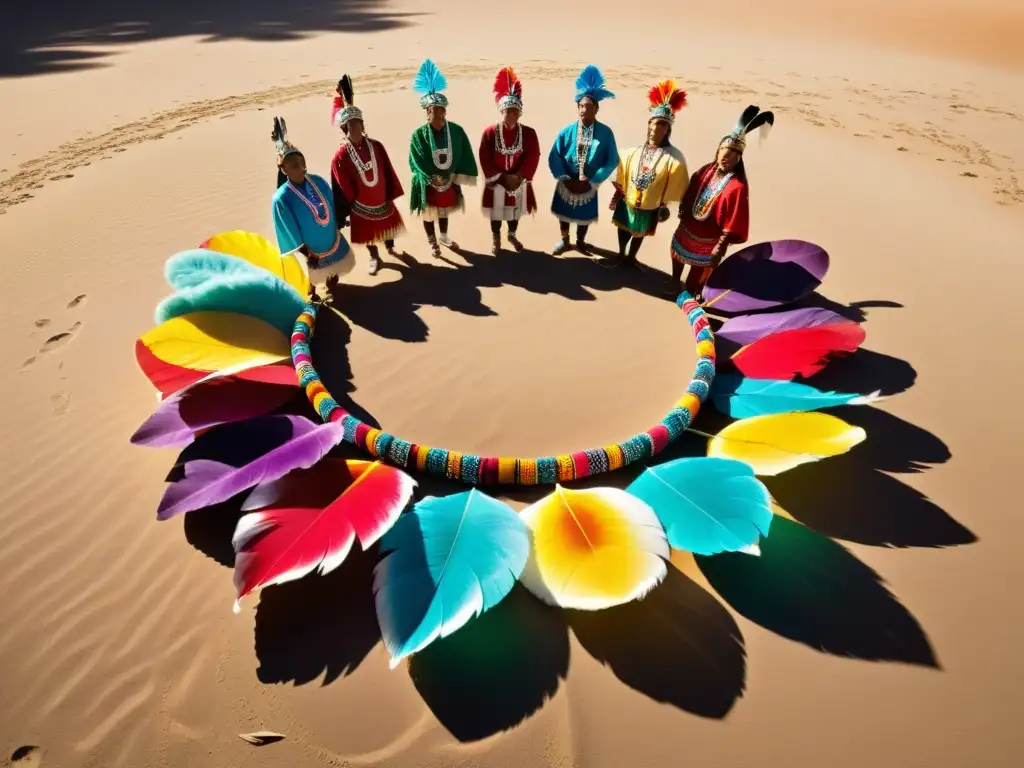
[477, 470]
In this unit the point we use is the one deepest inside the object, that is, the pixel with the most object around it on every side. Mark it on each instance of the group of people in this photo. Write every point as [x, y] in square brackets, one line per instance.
[310, 214]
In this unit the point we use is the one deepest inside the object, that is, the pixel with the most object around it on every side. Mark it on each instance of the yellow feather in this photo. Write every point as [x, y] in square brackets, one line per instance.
[258, 251]
[773, 444]
[214, 341]
[593, 549]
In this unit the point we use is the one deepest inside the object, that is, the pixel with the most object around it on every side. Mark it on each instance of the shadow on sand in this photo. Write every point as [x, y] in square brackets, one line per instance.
[56, 36]
[679, 645]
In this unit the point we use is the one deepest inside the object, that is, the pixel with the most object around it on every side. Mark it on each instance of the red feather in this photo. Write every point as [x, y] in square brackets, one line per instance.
[310, 518]
[799, 352]
[667, 92]
[506, 82]
[337, 104]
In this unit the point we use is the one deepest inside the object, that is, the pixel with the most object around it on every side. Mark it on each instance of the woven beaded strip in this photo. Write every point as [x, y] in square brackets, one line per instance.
[477, 470]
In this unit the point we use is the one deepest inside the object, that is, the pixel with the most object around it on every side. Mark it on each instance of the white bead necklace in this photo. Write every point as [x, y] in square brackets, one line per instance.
[446, 152]
[584, 138]
[499, 143]
[362, 168]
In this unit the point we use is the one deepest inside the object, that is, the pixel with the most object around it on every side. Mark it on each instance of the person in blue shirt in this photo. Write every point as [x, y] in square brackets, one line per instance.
[583, 156]
[304, 218]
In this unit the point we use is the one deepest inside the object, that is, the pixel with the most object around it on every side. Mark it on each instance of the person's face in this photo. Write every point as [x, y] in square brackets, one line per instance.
[294, 167]
[511, 118]
[728, 158]
[588, 110]
[436, 116]
[656, 132]
[355, 131]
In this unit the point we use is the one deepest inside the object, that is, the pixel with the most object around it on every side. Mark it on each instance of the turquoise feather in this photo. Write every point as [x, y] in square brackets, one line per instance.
[194, 267]
[742, 398]
[707, 505]
[444, 562]
[429, 79]
[257, 293]
[590, 82]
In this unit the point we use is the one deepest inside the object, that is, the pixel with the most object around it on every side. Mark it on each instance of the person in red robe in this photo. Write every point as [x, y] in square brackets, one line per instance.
[364, 181]
[509, 154]
[715, 211]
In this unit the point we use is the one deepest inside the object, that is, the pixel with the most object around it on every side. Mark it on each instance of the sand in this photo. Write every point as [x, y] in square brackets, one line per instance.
[882, 632]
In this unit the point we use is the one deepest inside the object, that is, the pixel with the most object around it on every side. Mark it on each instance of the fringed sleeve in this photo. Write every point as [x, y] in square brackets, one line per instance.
[286, 226]
[464, 169]
[485, 153]
[608, 155]
[556, 157]
[735, 213]
[531, 154]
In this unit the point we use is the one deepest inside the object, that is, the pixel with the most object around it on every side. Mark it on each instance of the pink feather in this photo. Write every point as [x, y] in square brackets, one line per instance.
[311, 519]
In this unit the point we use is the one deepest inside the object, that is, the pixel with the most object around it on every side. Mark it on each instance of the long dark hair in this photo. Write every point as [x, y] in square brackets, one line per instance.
[740, 171]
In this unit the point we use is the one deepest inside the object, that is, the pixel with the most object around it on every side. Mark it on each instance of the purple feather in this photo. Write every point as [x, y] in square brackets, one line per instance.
[746, 329]
[767, 275]
[207, 482]
[212, 401]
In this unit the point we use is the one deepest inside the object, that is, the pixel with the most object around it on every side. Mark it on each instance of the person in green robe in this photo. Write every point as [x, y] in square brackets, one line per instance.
[441, 158]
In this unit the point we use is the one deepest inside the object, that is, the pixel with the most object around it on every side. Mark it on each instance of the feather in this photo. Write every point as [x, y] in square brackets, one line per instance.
[256, 294]
[801, 352]
[778, 442]
[206, 482]
[765, 120]
[218, 398]
[213, 341]
[741, 398]
[593, 549]
[284, 543]
[667, 92]
[748, 114]
[707, 505]
[193, 267]
[258, 251]
[590, 82]
[746, 329]
[429, 79]
[506, 83]
[346, 91]
[446, 562]
[766, 275]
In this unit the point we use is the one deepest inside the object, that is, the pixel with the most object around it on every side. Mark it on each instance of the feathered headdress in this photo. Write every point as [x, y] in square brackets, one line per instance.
[344, 108]
[508, 91]
[666, 99]
[430, 83]
[751, 119]
[280, 137]
[590, 85]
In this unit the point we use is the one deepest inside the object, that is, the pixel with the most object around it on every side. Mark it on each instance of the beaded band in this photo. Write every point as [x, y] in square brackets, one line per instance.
[494, 470]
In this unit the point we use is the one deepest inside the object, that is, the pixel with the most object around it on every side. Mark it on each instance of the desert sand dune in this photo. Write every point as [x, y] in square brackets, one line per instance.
[879, 626]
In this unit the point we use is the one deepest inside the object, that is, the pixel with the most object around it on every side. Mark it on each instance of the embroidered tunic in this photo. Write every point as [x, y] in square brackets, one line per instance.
[304, 220]
[509, 155]
[647, 179]
[709, 210]
[595, 146]
[365, 187]
[439, 171]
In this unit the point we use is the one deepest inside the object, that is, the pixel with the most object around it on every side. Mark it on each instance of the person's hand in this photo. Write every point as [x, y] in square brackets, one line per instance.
[513, 181]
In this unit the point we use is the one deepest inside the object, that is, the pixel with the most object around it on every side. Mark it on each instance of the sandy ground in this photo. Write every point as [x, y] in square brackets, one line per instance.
[898, 148]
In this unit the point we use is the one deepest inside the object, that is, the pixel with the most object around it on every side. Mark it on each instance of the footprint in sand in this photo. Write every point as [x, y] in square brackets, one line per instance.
[27, 757]
[62, 176]
[58, 340]
[28, 363]
[42, 322]
[76, 301]
[60, 402]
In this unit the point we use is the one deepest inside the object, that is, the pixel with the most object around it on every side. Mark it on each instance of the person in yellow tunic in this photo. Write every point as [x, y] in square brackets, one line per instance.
[650, 176]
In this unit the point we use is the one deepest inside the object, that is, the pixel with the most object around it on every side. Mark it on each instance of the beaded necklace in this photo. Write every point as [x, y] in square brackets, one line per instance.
[444, 152]
[584, 138]
[709, 193]
[499, 143]
[363, 167]
[321, 213]
[644, 172]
